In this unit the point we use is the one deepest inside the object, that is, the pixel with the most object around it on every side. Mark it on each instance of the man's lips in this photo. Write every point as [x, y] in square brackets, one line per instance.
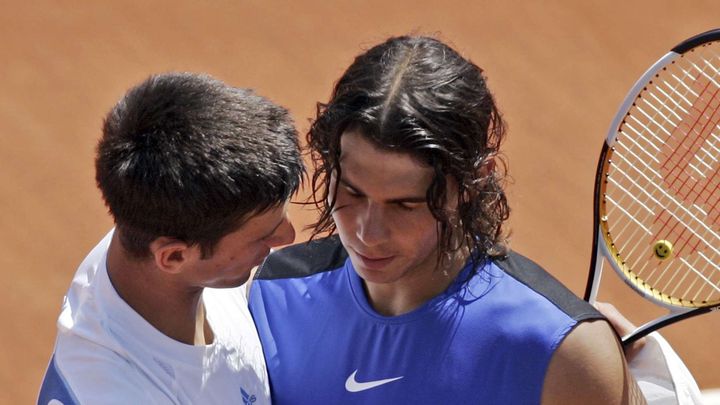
[373, 262]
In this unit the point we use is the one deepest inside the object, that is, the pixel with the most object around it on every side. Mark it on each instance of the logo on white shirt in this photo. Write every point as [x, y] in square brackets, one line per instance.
[248, 399]
[353, 385]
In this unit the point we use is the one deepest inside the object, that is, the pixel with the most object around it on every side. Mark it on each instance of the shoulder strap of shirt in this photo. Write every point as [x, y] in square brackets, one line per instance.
[535, 277]
[304, 259]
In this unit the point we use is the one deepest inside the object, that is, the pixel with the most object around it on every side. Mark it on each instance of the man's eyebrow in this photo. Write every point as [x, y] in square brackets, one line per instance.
[397, 200]
[346, 182]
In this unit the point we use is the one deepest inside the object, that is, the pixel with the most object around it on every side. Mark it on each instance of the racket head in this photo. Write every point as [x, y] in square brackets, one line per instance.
[657, 197]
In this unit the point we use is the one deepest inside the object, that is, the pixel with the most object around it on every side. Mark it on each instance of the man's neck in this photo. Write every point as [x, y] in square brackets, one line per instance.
[158, 297]
[403, 296]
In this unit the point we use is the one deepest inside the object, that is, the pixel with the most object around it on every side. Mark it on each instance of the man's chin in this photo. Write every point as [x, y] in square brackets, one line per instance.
[376, 276]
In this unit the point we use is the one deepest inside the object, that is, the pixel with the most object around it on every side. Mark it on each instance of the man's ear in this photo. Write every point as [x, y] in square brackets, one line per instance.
[171, 255]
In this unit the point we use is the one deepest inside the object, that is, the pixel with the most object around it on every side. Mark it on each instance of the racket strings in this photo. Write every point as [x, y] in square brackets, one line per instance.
[684, 197]
[706, 120]
[650, 143]
[676, 188]
[644, 190]
[638, 220]
[630, 253]
[663, 181]
[692, 137]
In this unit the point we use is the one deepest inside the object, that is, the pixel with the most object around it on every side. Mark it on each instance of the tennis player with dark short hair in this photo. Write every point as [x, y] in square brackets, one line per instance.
[196, 175]
[415, 298]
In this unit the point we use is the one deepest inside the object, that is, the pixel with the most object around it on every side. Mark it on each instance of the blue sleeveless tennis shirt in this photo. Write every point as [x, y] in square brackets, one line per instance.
[487, 339]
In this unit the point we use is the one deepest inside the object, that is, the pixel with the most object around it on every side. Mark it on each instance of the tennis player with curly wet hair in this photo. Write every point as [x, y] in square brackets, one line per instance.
[415, 297]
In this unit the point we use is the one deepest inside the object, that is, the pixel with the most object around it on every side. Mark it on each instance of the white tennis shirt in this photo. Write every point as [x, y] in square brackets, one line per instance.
[106, 353]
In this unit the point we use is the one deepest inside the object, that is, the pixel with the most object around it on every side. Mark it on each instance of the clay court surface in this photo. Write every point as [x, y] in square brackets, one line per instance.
[559, 70]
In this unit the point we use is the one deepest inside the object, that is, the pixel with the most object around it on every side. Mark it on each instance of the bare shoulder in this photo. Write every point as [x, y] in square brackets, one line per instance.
[589, 368]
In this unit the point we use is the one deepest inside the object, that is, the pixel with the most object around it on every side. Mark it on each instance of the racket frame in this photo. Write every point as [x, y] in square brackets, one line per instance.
[678, 311]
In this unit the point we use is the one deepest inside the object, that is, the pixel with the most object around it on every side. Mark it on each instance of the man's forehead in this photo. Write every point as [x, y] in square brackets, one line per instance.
[266, 219]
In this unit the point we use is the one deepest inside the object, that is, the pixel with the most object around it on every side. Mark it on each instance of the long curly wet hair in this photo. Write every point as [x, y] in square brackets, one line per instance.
[416, 95]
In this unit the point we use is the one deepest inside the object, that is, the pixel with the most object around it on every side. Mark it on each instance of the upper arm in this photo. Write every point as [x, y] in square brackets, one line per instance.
[589, 368]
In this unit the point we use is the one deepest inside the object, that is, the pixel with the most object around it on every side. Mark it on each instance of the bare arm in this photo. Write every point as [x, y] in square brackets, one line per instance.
[622, 326]
[589, 368]
[660, 373]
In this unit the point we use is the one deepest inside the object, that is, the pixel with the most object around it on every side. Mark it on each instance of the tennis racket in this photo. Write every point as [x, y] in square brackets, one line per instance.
[657, 187]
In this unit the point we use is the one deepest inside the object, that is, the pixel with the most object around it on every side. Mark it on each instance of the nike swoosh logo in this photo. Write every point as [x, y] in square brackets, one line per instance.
[353, 386]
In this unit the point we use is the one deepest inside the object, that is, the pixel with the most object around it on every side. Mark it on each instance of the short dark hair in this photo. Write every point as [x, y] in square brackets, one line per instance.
[186, 156]
[417, 95]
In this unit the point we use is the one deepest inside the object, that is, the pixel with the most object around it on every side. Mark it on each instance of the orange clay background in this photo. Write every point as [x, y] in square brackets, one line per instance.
[559, 70]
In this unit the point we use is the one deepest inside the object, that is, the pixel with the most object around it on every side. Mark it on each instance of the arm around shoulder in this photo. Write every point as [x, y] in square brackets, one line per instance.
[589, 368]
